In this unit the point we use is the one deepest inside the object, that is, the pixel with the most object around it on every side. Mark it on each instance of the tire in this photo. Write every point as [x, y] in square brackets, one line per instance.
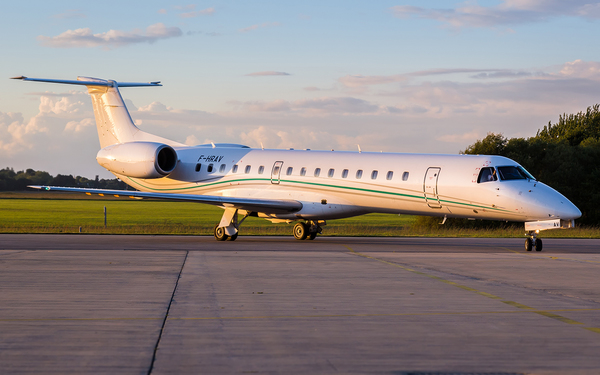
[220, 233]
[312, 236]
[528, 244]
[300, 231]
[232, 238]
[538, 244]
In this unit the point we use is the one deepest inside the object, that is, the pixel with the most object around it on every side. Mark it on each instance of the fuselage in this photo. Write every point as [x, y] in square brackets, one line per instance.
[338, 184]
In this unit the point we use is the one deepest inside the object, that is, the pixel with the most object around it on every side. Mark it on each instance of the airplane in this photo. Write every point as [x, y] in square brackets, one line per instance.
[308, 187]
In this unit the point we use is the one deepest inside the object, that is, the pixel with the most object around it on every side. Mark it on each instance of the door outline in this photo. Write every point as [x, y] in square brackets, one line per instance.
[276, 172]
[430, 187]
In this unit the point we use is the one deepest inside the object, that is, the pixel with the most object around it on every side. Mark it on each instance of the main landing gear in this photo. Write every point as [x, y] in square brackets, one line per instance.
[229, 227]
[533, 242]
[308, 230]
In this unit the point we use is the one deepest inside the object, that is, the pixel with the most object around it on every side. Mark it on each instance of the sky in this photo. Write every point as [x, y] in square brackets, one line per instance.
[392, 76]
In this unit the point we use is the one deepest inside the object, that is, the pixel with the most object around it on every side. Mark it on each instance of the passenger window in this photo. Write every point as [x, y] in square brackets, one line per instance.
[303, 171]
[261, 169]
[289, 171]
[209, 169]
[330, 173]
[389, 175]
[317, 172]
[374, 175]
[248, 168]
[222, 168]
[405, 176]
[234, 169]
[344, 173]
[359, 174]
[487, 174]
[198, 166]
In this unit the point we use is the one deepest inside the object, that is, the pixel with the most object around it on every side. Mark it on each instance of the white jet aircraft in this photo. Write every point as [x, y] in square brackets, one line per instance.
[309, 187]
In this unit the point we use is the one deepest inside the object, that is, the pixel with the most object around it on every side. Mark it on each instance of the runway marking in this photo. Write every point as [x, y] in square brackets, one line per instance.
[542, 256]
[511, 303]
[548, 313]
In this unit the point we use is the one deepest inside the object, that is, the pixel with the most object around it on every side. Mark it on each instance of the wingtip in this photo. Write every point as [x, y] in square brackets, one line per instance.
[19, 77]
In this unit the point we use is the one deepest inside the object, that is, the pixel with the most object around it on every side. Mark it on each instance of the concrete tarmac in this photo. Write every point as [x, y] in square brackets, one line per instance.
[271, 305]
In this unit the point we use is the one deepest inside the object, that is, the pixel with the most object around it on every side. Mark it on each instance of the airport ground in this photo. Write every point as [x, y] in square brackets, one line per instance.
[266, 305]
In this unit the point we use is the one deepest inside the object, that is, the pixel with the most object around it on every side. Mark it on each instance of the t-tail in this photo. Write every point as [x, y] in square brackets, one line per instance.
[112, 117]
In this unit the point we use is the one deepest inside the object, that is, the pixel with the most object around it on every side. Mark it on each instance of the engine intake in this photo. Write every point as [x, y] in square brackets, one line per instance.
[138, 159]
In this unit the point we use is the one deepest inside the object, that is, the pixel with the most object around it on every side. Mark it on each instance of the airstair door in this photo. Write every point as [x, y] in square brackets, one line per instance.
[276, 172]
[430, 188]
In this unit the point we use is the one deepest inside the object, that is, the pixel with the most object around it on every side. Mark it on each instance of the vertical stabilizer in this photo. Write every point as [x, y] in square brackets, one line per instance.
[112, 117]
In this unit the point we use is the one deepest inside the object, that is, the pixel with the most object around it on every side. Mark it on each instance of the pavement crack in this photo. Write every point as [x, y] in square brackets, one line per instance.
[164, 322]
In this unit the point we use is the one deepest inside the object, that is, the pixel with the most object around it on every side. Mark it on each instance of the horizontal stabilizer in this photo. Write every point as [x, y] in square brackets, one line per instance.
[255, 205]
[88, 81]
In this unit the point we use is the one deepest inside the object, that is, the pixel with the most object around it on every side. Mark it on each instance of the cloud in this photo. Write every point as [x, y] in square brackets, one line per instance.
[84, 38]
[259, 26]
[310, 107]
[197, 13]
[70, 14]
[507, 13]
[267, 73]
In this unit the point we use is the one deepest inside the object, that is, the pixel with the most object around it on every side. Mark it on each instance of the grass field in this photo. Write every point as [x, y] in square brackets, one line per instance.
[53, 212]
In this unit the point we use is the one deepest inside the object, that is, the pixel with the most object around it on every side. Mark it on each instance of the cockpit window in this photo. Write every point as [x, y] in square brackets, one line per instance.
[514, 173]
[487, 174]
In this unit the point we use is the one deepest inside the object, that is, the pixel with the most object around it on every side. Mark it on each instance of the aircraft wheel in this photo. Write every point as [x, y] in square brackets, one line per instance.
[312, 236]
[538, 244]
[300, 231]
[220, 233]
[528, 244]
[232, 238]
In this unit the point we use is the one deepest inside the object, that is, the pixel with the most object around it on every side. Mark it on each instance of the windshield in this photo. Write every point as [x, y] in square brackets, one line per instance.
[514, 173]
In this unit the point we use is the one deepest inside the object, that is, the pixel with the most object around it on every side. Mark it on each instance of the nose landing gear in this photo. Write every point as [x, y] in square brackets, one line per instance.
[532, 242]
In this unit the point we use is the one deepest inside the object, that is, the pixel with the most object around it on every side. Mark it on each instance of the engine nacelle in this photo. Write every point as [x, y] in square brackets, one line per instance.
[138, 159]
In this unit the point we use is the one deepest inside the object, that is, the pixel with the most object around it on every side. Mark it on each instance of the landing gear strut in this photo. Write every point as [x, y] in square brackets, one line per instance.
[229, 226]
[533, 242]
[308, 230]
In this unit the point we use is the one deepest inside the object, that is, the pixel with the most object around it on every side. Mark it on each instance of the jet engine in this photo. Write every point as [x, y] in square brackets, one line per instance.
[138, 159]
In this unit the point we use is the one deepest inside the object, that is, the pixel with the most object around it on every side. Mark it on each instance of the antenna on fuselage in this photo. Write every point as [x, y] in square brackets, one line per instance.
[262, 146]
[359, 150]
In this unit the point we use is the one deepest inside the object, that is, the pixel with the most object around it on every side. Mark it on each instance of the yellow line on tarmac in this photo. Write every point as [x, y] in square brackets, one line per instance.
[542, 256]
[511, 303]
[549, 313]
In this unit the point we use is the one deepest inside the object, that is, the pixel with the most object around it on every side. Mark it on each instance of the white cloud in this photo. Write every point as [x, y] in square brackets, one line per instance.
[70, 14]
[197, 13]
[259, 26]
[508, 12]
[267, 73]
[85, 38]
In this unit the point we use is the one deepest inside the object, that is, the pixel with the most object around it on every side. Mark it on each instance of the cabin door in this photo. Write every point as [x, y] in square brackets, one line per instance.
[276, 172]
[430, 188]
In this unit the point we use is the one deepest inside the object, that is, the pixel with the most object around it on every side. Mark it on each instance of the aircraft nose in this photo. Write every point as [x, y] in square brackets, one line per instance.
[568, 211]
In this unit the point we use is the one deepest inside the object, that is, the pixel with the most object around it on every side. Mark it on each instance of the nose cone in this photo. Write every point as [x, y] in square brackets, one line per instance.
[568, 211]
[547, 203]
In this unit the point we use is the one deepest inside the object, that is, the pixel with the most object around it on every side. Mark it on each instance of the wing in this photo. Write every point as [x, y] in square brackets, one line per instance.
[274, 206]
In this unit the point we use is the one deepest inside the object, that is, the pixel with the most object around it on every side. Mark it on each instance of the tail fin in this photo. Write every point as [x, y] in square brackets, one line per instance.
[112, 118]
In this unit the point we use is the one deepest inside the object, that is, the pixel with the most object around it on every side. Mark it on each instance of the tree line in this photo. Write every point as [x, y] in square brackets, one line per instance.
[564, 155]
[13, 181]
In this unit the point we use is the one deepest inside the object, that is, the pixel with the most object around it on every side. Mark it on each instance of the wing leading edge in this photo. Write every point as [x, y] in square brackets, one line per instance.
[274, 206]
